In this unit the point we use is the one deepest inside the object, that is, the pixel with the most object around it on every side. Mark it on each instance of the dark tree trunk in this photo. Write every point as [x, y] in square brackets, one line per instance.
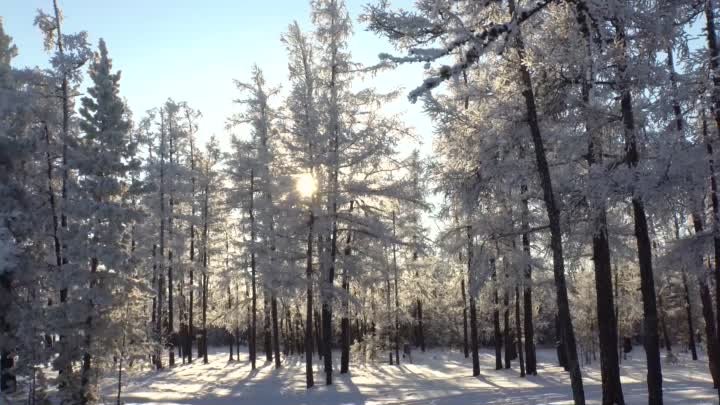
[153, 316]
[345, 344]
[466, 348]
[528, 328]
[318, 335]
[170, 332]
[472, 280]
[711, 339]
[345, 320]
[420, 331]
[290, 327]
[474, 337]
[714, 353]
[496, 320]
[66, 111]
[51, 200]
[612, 393]
[715, 96]
[7, 361]
[267, 335]
[518, 332]
[284, 331]
[607, 330]
[206, 275]
[607, 324]
[327, 313]
[204, 316]
[275, 331]
[389, 321]
[553, 213]
[87, 357]
[688, 309]
[642, 236]
[560, 345]
[161, 277]
[171, 208]
[326, 319]
[663, 325]
[679, 124]
[300, 333]
[56, 242]
[237, 342]
[397, 300]
[309, 309]
[506, 331]
[710, 334]
[232, 346]
[191, 309]
[252, 339]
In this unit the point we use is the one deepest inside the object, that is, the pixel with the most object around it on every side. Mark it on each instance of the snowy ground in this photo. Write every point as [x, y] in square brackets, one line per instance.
[436, 377]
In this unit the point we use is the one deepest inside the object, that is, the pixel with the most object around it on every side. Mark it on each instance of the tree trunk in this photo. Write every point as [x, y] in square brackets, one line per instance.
[7, 361]
[290, 326]
[713, 346]
[496, 320]
[345, 320]
[642, 236]
[206, 278]
[252, 339]
[528, 327]
[267, 335]
[327, 296]
[119, 384]
[170, 331]
[191, 330]
[66, 111]
[206, 275]
[508, 343]
[51, 200]
[318, 335]
[472, 284]
[161, 277]
[715, 97]
[397, 301]
[420, 331]
[663, 324]
[560, 345]
[679, 124]
[466, 348]
[506, 324]
[555, 239]
[688, 309]
[389, 314]
[612, 393]
[171, 207]
[518, 331]
[607, 324]
[309, 310]
[710, 339]
[327, 312]
[85, 373]
[231, 343]
[275, 332]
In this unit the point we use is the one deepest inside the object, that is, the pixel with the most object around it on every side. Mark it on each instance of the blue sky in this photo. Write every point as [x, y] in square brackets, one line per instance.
[192, 50]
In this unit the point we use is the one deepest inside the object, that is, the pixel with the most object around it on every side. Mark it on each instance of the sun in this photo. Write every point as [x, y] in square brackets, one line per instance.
[306, 185]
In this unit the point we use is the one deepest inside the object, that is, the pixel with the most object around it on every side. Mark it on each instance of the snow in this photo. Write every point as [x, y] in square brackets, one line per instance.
[436, 377]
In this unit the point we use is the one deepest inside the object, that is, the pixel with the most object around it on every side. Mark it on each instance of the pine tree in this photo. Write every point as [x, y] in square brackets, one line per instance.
[108, 157]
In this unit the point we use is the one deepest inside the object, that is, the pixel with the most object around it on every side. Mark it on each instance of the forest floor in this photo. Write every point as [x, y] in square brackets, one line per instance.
[436, 377]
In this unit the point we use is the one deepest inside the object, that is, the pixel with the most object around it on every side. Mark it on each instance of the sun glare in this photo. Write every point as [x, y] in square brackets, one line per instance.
[306, 185]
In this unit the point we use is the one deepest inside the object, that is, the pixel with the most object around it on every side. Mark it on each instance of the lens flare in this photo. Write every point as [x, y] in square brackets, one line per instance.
[306, 185]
